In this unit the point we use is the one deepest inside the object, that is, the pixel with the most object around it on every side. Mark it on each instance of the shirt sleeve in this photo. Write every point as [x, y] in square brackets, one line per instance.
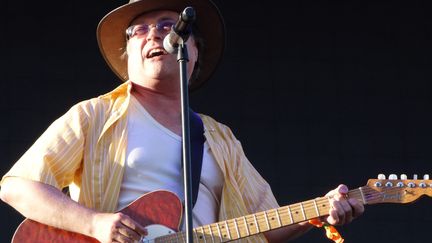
[56, 155]
[245, 189]
[256, 191]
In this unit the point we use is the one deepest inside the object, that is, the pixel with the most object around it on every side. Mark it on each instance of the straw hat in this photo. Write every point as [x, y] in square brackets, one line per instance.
[112, 38]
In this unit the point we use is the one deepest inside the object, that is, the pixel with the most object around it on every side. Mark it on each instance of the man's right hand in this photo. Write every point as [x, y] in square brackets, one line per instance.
[116, 227]
[48, 205]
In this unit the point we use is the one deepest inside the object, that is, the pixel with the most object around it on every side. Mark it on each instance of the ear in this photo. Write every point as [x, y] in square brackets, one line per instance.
[127, 49]
[195, 48]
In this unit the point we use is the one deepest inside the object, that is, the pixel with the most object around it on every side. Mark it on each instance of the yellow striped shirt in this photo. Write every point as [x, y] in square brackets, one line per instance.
[85, 150]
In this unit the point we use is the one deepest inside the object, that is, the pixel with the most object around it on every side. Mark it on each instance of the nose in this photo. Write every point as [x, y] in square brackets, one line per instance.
[153, 33]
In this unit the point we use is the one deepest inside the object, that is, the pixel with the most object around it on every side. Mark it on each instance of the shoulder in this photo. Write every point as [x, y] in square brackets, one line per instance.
[107, 102]
[218, 131]
[211, 124]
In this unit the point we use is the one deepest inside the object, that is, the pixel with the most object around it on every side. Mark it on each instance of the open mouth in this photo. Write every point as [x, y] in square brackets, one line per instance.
[156, 52]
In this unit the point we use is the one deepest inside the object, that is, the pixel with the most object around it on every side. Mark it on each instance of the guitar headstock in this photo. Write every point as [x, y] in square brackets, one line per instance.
[394, 190]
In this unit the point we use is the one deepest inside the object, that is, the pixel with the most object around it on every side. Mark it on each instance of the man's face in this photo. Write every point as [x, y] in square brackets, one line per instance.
[147, 59]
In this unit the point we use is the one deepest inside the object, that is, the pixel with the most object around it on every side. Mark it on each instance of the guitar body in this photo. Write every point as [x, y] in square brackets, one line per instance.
[154, 208]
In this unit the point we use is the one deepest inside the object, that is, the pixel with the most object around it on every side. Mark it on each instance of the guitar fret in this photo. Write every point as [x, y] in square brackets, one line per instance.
[290, 215]
[219, 232]
[184, 236]
[246, 226]
[256, 223]
[316, 208]
[180, 237]
[323, 205]
[159, 239]
[195, 234]
[297, 216]
[236, 228]
[198, 234]
[278, 217]
[303, 212]
[362, 195]
[264, 214]
[176, 238]
[227, 229]
[170, 237]
[273, 218]
[266, 220]
[203, 236]
[211, 233]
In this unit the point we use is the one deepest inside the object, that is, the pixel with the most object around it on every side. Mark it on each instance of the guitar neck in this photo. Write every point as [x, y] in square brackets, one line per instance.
[164, 214]
[252, 224]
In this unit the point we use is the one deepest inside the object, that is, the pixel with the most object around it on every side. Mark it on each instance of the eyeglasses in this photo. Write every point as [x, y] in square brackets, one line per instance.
[163, 26]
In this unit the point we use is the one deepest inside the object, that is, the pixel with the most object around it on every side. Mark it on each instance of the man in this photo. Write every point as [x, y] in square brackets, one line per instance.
[112, 149]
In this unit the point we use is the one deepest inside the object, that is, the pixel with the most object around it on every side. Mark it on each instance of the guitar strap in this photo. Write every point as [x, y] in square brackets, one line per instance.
[197, 140]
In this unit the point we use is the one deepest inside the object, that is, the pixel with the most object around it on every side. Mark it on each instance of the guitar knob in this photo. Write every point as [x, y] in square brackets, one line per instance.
[415, 177]
[403, 177]
[381, 177]
[426, 177]
[392, 177]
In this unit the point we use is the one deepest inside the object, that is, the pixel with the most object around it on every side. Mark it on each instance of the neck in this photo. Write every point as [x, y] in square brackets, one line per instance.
[164, 107]
[167, 87]
[156, 95]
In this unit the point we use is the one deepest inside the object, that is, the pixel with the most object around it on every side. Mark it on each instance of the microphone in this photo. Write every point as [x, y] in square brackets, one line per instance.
[180, 31]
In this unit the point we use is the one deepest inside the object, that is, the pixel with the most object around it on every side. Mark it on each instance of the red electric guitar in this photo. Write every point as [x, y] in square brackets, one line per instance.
[161, 213]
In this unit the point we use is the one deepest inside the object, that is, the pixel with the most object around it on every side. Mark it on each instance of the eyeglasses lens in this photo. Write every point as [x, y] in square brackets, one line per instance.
[163, 27]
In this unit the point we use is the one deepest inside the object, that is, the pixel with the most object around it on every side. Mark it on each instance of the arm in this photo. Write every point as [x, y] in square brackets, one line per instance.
[48, 205]
[342, 211]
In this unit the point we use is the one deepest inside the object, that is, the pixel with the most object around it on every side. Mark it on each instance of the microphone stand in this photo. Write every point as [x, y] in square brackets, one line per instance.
[183, 59]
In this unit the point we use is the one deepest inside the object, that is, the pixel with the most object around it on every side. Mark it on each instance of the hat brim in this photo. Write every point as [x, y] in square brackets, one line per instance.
[112, 38]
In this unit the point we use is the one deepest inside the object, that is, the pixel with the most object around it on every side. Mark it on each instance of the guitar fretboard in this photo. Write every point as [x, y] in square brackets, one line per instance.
[252, 224]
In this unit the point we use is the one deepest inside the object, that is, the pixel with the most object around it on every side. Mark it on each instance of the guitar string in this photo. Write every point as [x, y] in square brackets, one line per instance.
[370, 196]
[262, 219]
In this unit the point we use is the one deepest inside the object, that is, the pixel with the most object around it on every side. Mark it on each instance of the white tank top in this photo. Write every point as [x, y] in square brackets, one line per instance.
[153, 162]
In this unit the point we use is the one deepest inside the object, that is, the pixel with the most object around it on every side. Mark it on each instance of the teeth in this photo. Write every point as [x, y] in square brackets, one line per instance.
[156, 51]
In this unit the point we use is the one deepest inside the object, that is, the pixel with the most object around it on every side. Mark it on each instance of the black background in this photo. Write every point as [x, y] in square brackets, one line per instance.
[318, 92]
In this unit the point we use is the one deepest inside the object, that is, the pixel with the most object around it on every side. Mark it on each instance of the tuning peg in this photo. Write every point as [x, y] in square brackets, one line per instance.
[403, 177]
[392, 177]
[381, 177]
[426, 177]
[415, 177]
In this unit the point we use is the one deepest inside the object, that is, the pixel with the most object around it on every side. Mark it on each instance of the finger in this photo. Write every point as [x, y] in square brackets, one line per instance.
[333, 217]
[347, 211]
[344, 207]
[131, 224]
[339, 214]
[341, 189]
[357, 207]
[118, 237]
[129, 234]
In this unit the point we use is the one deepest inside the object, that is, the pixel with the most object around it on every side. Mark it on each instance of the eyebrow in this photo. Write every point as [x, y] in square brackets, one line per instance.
[158, 20]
